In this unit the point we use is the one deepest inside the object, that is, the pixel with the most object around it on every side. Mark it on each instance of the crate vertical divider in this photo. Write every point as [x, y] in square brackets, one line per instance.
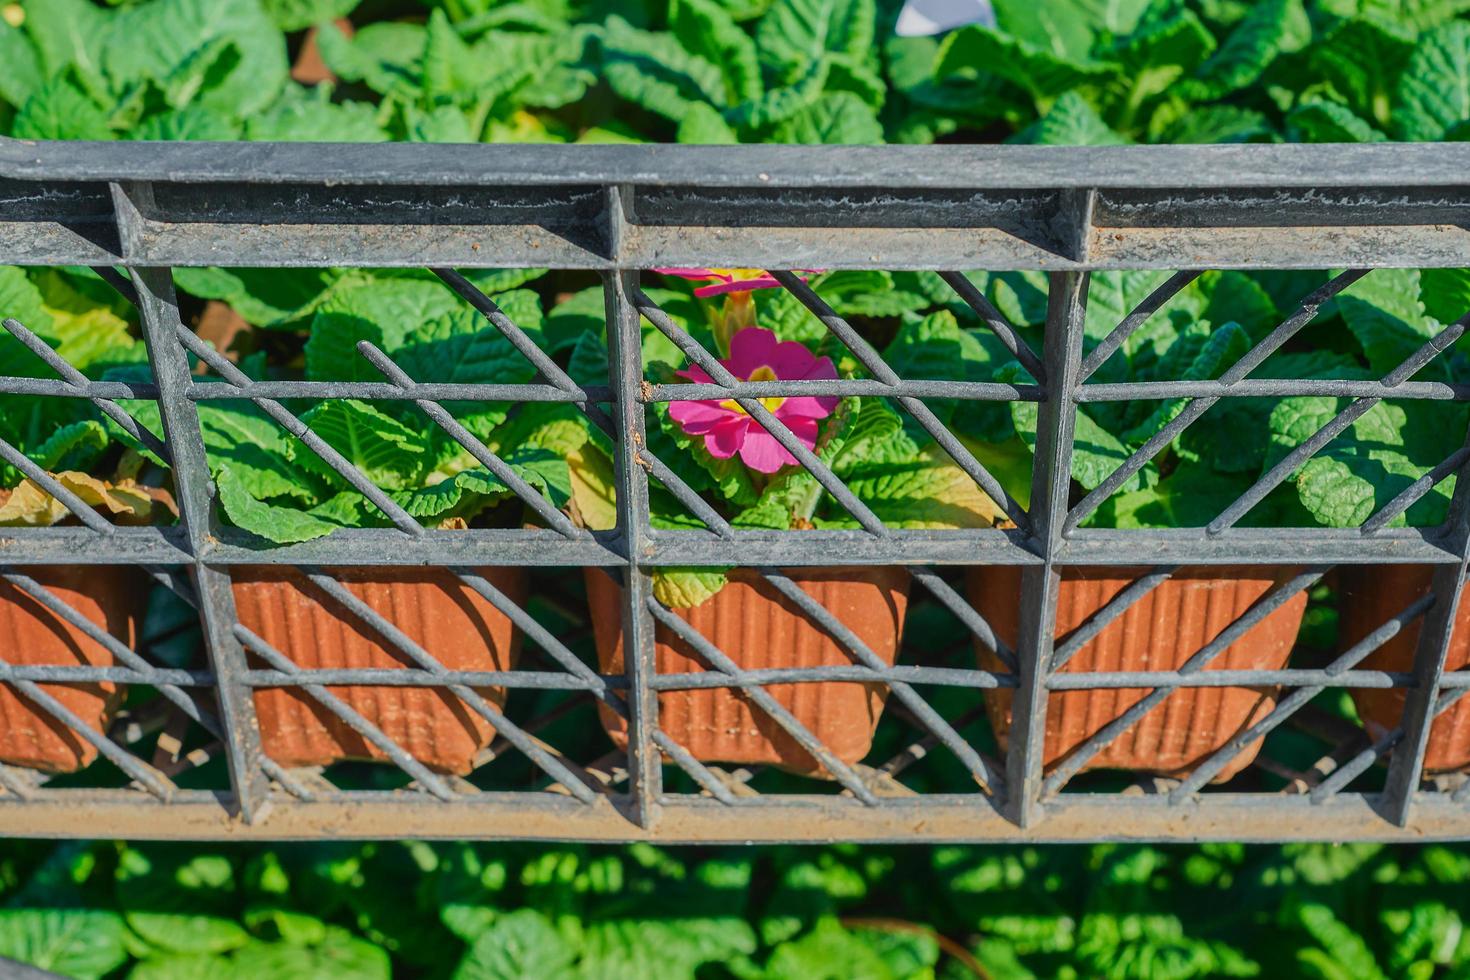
[158, 309]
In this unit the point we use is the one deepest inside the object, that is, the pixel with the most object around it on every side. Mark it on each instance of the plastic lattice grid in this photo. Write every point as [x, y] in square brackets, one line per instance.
[996, 639]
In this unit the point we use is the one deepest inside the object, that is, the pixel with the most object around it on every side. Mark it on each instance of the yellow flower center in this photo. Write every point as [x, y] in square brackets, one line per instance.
[740, 275]
[762, 373]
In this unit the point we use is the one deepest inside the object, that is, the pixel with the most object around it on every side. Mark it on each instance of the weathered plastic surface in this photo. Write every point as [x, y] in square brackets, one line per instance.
[1371, 597]
[758, 628]
[110, 596]
[1159, 632]
[457, 626]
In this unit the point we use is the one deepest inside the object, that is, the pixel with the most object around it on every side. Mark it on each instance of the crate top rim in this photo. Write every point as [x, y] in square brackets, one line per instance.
[944, 167]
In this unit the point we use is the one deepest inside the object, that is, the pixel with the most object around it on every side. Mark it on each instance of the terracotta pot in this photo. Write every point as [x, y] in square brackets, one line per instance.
[112, 597]
[1159, 632]
[758, 628]
[455, 624]
[1370, 597]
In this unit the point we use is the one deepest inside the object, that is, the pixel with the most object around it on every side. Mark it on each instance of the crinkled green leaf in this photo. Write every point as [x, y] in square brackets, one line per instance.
[180, 901]
[389, 453]
[705, 28]
[655, 71]
[158, 39]
[778, 105]
[1031, 67]
[839, 117]
[72, 942]
[264, 297]
[22, 75]
[59, 110]
[518, 945]
[1364, 58]
[1320, 121]
[310, 115]
[1434, 92]
[1384, 312]
[275, 523]
[795, 33]
[1246, 52]
[704, 125]
[296, 15]
[1071, 121]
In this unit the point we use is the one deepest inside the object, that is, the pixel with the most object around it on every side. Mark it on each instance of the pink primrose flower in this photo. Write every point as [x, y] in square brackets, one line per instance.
[729, 280]
[756, 355]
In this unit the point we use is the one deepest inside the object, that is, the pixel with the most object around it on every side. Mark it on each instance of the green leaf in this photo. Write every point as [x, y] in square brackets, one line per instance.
[192, 122]
[1246, 53]
[1382, 453]
[83, 943]
[1029, 66]
[22, 76]
[1445, 293]
[1320, 121]
[828, 952]
[1364, 59]
[703, 125]
[178, 899]
[384, 56]
[164, 40]
[240, 435]
[706, 29]
[520, 945]
[309, 115]
[340, 955]
[386, 451]
[1434, 92]
[1384, 312]
[780, 104]
[1220, 124]
[795, 33]
[297, 15]
[1071, 121]
[655, 71]
[467, 889]
[383, 311]
[268, 298]
[71, 447]
[839, 117]
[59, 110]
[281, 525]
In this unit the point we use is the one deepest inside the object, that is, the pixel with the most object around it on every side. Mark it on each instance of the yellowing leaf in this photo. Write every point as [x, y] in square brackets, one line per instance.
[28, 505]
[592, 488]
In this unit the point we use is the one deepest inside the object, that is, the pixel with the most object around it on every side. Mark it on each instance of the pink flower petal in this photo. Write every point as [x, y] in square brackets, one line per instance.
[806, 406]
[762, 453]
[729, 437]
[683, 273]
[804, 428]
[697, 418]
[737, 286]
[751, 348]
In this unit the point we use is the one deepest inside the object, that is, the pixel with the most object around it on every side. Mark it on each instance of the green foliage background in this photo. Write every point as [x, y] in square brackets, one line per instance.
[712, 71]
[495, 912]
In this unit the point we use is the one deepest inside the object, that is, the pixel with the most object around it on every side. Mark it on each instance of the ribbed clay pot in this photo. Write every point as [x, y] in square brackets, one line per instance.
[30, 634]
[459, 627]
[758, 628]
[1159, 632]
[1370, 597]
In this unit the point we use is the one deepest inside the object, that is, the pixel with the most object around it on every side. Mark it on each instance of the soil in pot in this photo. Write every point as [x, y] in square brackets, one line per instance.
[1159, 632]
[1370, 597]
[455, 624]
[111, 596]
[758, 628]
